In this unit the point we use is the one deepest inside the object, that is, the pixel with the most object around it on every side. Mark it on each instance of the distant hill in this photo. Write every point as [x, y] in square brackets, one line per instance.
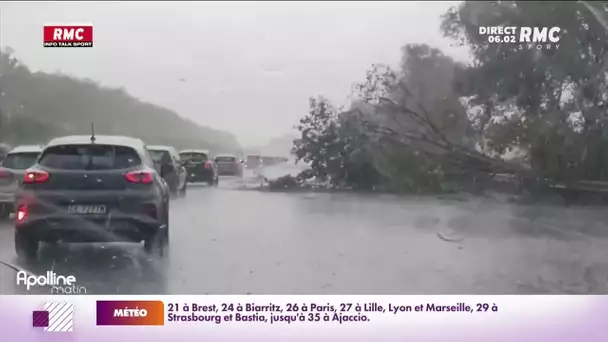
[279, 147]
[35, 107]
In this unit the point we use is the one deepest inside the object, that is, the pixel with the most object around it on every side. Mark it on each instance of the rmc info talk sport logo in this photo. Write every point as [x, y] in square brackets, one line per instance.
[524, 37]
[57, 284]
[68, 35]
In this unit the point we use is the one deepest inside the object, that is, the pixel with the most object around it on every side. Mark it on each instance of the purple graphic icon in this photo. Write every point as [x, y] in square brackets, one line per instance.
[40, 319]
[55, 317]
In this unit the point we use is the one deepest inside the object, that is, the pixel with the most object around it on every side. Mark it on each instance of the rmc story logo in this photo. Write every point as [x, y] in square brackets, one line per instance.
[68, 35]
[61, 285]
[524, 37]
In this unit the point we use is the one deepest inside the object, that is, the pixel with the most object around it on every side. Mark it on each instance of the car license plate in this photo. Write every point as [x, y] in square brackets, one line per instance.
[87, 209]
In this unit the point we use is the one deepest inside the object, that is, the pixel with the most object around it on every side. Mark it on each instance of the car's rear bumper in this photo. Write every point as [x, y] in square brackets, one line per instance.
[205, 175]
[74, 228]
[228, 171]
[7, 198]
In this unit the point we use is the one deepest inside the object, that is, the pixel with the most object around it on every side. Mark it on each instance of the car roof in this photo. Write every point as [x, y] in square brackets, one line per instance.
[26, 149]
[161, 148]
[194, 151]
[226, 155]
[99, 139]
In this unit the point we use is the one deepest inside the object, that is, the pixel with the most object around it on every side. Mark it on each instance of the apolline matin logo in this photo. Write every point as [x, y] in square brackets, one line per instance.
[61, 285]
[121, 312]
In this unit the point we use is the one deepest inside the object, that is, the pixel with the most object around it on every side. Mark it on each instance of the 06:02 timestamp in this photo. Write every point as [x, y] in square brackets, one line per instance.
[501, 39]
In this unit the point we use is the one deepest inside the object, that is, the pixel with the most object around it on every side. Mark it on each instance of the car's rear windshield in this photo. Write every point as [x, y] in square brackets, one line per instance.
[89, 157]
[254, 158]
[159, 156]
[225, 159]
[20, 161]
[193, 156]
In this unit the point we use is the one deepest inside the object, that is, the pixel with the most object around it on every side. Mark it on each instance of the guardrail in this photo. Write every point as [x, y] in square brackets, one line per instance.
[583, 186]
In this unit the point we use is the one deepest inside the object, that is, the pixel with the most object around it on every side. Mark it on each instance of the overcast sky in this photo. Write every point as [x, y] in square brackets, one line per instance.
[249, 68]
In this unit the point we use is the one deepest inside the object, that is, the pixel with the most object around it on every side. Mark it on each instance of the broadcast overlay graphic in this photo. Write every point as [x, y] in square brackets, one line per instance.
[55, 317]
[523, 37]
[68, 35]
[110, 312]
[55, 283]
[305, 318]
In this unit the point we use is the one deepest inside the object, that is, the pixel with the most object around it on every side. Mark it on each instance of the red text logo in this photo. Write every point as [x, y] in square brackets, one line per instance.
[68, 35]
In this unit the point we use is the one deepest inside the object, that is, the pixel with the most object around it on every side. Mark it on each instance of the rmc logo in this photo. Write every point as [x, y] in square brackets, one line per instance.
[68, 35]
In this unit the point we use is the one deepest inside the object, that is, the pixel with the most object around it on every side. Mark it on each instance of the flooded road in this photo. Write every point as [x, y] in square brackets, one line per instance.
[226, 240]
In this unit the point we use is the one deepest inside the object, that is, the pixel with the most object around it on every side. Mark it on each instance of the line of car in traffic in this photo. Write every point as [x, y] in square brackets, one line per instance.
[100, 189]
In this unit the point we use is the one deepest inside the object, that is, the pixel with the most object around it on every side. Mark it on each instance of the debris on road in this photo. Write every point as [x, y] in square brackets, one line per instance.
[288, 177]
[449, 236]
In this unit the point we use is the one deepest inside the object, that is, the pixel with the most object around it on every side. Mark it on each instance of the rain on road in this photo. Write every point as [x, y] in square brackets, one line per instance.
[227, 240]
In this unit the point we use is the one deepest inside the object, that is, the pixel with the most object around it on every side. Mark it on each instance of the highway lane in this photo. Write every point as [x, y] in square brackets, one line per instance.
[227, 240]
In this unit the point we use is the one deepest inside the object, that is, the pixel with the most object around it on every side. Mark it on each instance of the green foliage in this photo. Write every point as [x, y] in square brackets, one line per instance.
[528, 97]
[321, 144]
[386, 138]
[36, 107]
[429, 77]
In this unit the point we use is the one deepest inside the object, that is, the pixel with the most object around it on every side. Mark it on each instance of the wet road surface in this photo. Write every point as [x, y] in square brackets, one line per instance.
[226, 240]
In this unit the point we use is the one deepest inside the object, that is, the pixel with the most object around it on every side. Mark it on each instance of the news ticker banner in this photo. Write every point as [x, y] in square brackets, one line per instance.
[304, 318]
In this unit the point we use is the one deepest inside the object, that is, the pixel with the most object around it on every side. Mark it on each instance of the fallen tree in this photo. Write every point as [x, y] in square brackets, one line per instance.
[437, 122]
[389, 140]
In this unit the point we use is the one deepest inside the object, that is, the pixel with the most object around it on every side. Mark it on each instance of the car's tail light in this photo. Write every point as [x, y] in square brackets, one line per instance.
[35, 176]
[5, 174]
[207, 165]
[21, 214]
[140, 177]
